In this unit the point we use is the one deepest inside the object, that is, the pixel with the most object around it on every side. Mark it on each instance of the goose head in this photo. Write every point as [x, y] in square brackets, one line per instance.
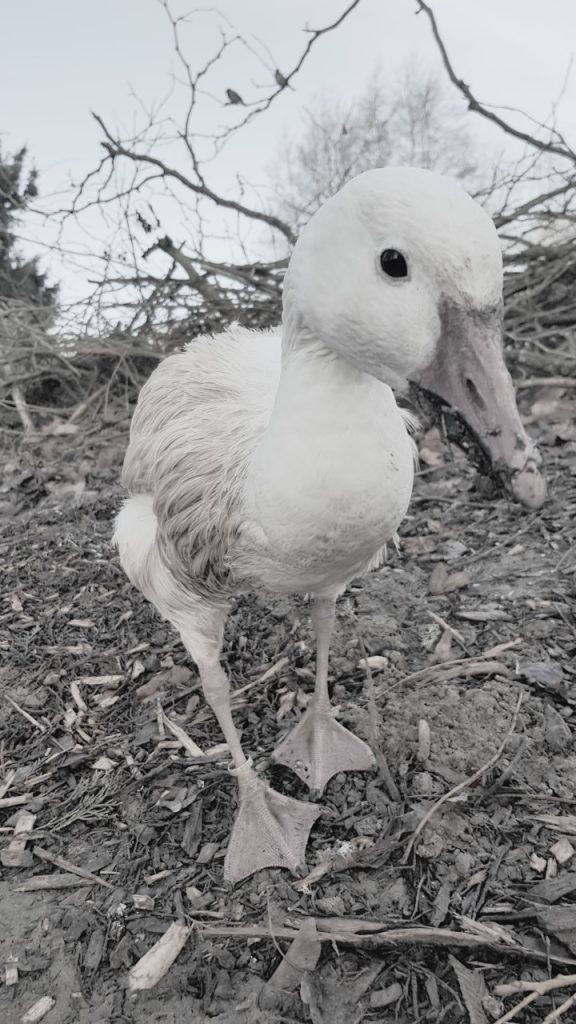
[400, 274]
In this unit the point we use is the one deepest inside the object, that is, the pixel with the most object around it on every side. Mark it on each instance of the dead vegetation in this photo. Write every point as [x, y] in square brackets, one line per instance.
[152, 292]
[439, 888]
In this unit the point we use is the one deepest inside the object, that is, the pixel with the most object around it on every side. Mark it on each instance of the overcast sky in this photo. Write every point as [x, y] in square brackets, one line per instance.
[63, 58]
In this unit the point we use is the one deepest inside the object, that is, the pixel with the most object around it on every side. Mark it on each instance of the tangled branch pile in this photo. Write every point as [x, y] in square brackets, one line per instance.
[166, 292]
[66, 375]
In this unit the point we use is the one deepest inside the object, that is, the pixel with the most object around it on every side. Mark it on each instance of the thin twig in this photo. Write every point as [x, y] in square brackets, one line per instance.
[465, 784]
[541, 988]
[479, 108]
[511, 1014]
[557, 1013]
[114, 148]
[33, 721]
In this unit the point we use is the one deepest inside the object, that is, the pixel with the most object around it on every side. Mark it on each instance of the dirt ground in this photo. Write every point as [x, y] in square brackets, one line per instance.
[419, 920]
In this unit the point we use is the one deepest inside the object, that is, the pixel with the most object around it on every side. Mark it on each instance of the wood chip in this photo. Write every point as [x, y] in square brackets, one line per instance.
[138, 669]
[483, 615]
[443, 649]
[67, 865]
[182, 736]
[9, 779]
[105, 700]
[561, 822]
[207, 853]
[551, 868]
[473, 989]
[538, 863]
[376, 662]
[192, 835]
[218, 750]
[56, 881]
[274, 670]
[94, 950]
[109, 681]
[545, 673]
[301, 958]
[158, 876]
[77, 696]
[557, 732]
[142, 901]
[553, 889]
[38, 1010]
[424, 741]
[178, 675]
[16, 855]
[104, 764]
[16, 801]
[152, 967]
[21, 711]
[11, 971]
[386, 996]
[560, 922]
[563, 850]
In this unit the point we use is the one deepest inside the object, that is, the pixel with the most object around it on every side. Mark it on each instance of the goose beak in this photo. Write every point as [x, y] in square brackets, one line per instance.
[469, 372]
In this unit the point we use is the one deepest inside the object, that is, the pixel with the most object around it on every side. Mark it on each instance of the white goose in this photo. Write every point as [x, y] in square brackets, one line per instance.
[281, 460]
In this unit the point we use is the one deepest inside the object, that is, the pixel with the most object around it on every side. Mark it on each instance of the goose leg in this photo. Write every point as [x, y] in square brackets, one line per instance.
[319, 747]
[270, 830]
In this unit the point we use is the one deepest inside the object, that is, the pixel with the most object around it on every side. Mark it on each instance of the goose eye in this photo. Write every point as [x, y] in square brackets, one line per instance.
[393, 263]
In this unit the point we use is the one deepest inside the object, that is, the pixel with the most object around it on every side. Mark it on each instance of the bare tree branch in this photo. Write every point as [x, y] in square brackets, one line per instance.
[283, 81]
[547, 147]
[501, 220]
[114, 148]
[197, 280]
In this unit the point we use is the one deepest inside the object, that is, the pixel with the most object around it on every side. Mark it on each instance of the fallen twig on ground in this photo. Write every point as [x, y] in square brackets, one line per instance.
[463, 785]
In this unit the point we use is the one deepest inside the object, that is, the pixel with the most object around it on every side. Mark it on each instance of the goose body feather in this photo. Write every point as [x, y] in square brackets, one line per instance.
[243, 469]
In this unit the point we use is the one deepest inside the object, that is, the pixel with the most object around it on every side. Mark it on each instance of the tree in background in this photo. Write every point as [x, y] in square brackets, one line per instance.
[414, 121]
[27, 302]
[191, 245]
[20, 278]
